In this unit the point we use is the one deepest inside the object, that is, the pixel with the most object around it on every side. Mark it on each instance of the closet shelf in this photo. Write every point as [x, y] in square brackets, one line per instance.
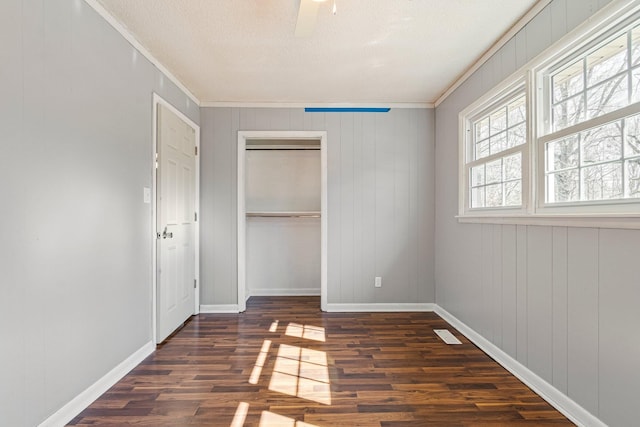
[284, 214]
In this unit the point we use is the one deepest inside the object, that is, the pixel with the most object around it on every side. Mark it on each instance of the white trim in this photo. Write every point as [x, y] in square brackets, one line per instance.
[324, 221]
[157, 99]
[154, 220]
[628, 222]
[283, 292]
[229, 104]
[79, 403]
[552, 395]
[241, 224]
[241, 220]
[522, 22]
[128, 36]
[380, 307]
[219, 308]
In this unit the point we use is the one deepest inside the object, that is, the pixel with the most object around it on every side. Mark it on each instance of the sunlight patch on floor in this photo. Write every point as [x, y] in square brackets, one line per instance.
[309, 332]
[274, 326]
[301, 372]
[269, 419]
[240, 415]
[262, 357]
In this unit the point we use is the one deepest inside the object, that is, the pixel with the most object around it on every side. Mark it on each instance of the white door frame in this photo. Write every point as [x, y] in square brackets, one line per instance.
[158, 100]
[243, 136]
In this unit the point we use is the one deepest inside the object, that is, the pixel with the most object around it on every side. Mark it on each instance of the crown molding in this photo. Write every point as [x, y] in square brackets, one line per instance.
[231, 104]
[511, 32]
[124, 32]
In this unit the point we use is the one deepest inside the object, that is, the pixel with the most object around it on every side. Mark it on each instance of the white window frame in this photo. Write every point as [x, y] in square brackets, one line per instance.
[501, 95]
[543, 126]
[619, 213]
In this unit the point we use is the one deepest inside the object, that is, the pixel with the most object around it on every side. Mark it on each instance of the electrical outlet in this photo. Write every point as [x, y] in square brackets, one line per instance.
[378, 282]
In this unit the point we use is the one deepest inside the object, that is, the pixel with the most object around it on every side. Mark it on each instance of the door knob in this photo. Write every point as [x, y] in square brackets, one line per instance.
[166, 234]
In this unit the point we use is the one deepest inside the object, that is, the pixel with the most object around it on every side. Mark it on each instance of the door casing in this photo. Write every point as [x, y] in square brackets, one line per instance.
[158, 100]
[243, 136]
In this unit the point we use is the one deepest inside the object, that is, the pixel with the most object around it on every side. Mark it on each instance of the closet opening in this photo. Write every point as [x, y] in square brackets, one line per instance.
[282, 214]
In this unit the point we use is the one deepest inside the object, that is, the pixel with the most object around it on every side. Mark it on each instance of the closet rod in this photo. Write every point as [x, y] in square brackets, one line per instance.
[282, 215]
[283, 148]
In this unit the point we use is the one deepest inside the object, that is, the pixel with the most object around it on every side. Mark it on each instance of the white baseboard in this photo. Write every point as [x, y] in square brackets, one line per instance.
[548, 392]
[284, 292]
[65, 414]
[219, 308]
[379, 307]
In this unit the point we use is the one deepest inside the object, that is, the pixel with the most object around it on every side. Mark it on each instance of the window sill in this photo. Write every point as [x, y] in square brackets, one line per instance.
[623, 221]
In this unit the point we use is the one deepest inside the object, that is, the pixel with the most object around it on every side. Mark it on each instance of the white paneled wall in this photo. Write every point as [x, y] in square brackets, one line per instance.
[76, 120]
[562, 301]
[380, 200]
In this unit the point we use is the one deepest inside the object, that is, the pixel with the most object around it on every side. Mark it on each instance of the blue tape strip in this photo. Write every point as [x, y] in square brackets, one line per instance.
[345, 110]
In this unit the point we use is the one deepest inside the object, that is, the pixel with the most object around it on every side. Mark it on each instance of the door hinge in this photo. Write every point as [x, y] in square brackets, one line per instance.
[194, 283]
[195, 216]
[196, 147]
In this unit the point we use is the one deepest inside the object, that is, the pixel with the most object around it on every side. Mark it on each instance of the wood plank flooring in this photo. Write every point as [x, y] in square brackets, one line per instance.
[285, 363]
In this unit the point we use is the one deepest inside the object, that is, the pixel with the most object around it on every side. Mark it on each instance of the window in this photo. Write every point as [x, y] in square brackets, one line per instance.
[561, 138]
[590, 146]
[496, 141]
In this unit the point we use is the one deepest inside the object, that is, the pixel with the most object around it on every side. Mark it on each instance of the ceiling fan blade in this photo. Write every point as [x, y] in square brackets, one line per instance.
[307, 16]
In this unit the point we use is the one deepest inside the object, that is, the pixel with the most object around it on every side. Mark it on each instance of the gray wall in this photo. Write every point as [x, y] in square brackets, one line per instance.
[562, 301]
[380, 207]
[75, 260]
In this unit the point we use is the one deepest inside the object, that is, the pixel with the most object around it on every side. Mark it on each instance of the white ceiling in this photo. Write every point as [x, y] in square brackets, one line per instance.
[371, 51]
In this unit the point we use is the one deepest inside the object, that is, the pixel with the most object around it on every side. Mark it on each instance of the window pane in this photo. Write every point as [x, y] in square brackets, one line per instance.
[482, 149]
[494, 195]
[602, 144]
[635, 81]
[498, 121]
[568, 82]
[632, 136]
[608, 96]
[602, 181]
[513, 193]
[633, 178]
[607, 61]
[482, 129]
[498, 143]
[635, 46]
[563, 186]
[477, 176]
[568, 112]
[513, 167]
[517, 111]
[494, 171]
[563, 154]
[517, 135]
[477, 197]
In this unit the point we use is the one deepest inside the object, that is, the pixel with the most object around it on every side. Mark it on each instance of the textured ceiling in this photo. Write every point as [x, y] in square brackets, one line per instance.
[371, 51]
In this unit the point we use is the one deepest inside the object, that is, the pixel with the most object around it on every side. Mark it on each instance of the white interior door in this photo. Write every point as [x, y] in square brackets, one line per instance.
[175, 222]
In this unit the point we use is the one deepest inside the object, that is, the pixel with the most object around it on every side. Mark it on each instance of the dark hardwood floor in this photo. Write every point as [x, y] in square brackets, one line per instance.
[285, 363]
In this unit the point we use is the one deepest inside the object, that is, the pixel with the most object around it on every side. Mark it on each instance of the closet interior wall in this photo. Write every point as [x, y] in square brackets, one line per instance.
[283, 218]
